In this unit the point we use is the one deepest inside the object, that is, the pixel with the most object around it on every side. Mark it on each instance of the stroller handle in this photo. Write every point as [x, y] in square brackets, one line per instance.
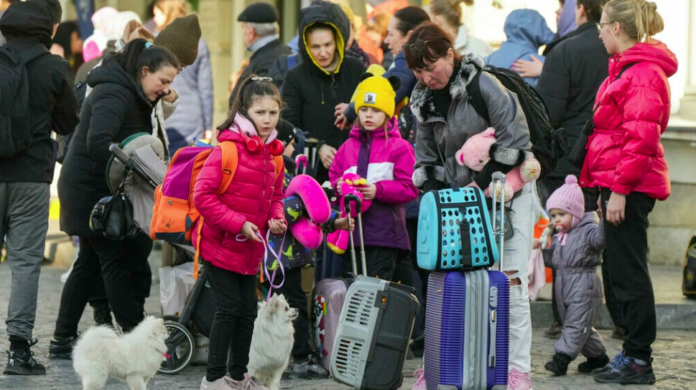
[126, 160]
[120, 155]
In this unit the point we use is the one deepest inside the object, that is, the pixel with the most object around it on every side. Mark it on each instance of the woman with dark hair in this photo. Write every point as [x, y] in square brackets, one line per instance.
[400, 28]
[67, 43]
[124, 91]
[446, 119]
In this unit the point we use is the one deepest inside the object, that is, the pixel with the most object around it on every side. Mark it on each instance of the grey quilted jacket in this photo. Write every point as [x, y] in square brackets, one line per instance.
[439, 138]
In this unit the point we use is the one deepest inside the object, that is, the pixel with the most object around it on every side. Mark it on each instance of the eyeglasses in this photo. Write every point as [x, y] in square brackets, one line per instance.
[601, 25]
[266, 79]
[418, 46]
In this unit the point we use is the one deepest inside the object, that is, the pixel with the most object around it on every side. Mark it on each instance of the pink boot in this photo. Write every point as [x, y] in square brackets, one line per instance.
[518, 380]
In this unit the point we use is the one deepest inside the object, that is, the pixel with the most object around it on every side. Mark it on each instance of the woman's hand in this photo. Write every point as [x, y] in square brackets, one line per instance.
[327, 154]
[342, 224]
[341, 120]
[171, 96]
[368, 191]
[531, 68]
[277, 226]
[536, 244]
[249, 231]
[616, 208]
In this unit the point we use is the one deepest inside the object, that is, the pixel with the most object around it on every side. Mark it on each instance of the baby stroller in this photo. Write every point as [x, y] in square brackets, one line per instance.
[199, 310]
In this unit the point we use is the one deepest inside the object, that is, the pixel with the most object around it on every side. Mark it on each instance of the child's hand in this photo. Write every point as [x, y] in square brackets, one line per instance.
[601, 216]
[339, 185]
[368, 191]
[249, 231]
[536, 244]
[277, 226]
[342, 224]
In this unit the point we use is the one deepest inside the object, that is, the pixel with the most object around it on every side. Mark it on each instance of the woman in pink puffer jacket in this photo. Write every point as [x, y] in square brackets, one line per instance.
[626, 160]
[233, 224]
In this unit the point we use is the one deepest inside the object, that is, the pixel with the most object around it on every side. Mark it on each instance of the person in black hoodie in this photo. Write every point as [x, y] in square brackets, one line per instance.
[124, 91]
[571, 77]
[325, 78]
[25, 177]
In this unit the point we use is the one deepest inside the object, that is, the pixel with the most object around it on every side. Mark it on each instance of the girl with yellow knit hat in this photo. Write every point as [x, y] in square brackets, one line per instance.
[376, 152]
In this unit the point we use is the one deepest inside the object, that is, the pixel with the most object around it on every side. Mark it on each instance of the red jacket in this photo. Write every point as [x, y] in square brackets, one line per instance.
[255, 195]
[625, 153]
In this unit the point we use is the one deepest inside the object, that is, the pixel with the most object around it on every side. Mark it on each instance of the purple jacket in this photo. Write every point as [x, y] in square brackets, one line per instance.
[387, 162]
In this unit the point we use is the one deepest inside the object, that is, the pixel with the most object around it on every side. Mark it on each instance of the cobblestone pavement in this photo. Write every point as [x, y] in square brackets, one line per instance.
[675, 353]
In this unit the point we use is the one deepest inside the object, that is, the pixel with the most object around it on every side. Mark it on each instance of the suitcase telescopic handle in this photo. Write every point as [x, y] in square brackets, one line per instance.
[358, 210]
[499, 180]
[353, 198]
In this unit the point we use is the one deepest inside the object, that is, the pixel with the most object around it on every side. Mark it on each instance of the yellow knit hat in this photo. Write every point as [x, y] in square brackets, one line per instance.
[377, 92]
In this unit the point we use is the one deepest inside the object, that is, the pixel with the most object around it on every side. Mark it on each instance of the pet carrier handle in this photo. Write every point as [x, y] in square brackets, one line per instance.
[358, 208]
[499, 179]
[302, 162]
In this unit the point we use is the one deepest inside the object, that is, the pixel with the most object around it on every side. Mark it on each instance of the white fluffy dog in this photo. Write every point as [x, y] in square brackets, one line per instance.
[133, 358]
[272, 341]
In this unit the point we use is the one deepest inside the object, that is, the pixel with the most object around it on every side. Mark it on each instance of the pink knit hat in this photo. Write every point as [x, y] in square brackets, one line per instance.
[568, 198]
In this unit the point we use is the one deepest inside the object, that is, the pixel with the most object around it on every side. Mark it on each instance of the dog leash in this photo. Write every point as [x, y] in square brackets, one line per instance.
[267, 248]
[277, 259]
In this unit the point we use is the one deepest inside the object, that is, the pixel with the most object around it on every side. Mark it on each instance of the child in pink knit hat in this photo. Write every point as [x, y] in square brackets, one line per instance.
[575, 252]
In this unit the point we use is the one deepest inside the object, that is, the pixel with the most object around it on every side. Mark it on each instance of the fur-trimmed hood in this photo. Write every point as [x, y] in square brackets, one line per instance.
[422, 102]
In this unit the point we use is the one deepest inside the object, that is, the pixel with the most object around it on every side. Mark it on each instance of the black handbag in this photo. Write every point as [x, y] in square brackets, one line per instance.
[579, 152]
[112, 216]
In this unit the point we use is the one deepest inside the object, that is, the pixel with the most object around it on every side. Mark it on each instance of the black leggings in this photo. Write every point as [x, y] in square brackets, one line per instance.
[112, 262]
[233, 325]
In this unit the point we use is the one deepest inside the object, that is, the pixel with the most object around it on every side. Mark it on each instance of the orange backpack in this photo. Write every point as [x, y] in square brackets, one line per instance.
[174, 214]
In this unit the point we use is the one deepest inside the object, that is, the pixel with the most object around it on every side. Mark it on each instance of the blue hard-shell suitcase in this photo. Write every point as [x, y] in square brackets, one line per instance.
[455, 231]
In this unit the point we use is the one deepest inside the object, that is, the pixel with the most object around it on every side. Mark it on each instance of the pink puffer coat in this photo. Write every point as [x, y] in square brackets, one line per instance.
[255, 195]
[625, 153]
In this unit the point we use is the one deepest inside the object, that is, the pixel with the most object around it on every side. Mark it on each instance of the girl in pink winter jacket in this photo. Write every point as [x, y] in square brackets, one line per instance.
[375, 151]
[233, 224]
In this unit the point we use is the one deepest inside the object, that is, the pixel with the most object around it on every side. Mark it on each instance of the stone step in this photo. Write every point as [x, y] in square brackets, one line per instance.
[669, 315]
[673, 310]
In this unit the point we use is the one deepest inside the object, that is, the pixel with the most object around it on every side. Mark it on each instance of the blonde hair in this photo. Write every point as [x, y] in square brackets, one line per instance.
[639, 19]
[450, 10]
[172, 9]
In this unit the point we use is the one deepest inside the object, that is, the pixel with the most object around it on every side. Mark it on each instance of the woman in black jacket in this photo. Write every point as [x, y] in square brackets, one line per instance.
[325, 78]
[124, 91]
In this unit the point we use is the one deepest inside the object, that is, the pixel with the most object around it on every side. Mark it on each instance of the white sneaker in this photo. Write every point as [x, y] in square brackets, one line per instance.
[249, 383]
[220, 384]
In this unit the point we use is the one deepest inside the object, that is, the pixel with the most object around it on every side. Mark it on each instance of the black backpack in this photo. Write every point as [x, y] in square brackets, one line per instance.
[548, 145]
[15, 124]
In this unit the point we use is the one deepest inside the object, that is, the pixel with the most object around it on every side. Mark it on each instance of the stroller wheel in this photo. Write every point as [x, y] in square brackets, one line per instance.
[180, 348]
[170, 317]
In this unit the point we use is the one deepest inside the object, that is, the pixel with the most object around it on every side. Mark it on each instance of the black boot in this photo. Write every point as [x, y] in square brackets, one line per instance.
[20, 360]
[559, 364]
[102, 314]
[62, 347]
[418, 345]
[592, 363]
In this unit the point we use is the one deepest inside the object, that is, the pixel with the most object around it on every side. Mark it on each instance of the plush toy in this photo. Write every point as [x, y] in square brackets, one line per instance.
[338, 240]
[305, 219]
[476, 152]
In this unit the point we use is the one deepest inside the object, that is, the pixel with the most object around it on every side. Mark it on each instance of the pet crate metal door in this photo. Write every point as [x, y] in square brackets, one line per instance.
[359, 318]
